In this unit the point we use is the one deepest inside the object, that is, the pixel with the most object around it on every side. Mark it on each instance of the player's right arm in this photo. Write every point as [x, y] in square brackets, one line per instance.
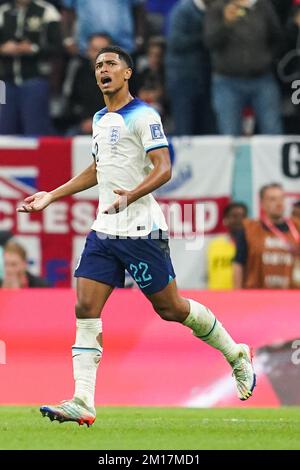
[39, 201]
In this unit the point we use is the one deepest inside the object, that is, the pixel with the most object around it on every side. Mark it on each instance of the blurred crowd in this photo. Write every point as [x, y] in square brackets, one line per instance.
[261, 253]
[208, 66]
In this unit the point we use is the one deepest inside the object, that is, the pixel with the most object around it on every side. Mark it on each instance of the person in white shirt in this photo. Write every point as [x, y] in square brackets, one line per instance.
[131, 159]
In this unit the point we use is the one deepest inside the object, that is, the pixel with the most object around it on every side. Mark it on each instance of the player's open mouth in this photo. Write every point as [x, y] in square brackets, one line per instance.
[105, 80]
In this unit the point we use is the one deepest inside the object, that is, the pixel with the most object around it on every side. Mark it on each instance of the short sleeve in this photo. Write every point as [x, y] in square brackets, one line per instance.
[150, 129]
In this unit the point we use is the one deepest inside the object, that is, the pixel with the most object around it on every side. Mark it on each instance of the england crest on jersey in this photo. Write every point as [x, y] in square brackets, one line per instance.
[114, 135]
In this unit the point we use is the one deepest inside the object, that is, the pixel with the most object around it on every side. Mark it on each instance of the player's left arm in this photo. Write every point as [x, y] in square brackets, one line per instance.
[159, 175]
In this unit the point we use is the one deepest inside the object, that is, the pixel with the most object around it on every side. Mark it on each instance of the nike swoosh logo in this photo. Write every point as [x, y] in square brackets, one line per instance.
[146, 285]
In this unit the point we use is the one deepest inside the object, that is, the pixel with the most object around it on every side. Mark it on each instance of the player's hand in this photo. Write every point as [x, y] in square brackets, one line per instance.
[36, 202]
[123, 200]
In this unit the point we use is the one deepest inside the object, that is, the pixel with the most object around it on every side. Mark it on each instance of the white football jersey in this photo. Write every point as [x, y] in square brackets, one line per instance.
[121, 142]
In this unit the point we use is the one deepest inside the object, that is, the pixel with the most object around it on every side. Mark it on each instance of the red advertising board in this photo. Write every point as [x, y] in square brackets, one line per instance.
[148, 361]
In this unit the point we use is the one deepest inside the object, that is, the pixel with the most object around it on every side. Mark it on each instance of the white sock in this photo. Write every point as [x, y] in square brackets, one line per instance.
[206, 327]
[86, 354]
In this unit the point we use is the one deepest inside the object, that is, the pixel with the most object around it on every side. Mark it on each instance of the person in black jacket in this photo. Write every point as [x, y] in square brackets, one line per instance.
[289, 71]
[244, 37]
[30, 36]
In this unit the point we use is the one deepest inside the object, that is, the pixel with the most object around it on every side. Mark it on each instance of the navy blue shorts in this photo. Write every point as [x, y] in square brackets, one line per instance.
[147, 259]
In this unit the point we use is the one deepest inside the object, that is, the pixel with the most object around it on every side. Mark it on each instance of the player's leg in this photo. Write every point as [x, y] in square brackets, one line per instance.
[170, 306]
[98, 272]
[86, 354]
[148, 261]
[87, 350]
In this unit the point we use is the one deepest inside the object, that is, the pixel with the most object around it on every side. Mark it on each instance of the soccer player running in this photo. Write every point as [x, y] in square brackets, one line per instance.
[131, 159]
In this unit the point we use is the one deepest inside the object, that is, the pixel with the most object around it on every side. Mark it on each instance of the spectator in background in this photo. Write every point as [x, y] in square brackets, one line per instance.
[244, 37]
[188, 70]
[157, 15]
[292, 33]
[222, 249]
[4, 237]
[296, 210]
[15, 269]
[150, 80]
[289, 70]
[80, 104]
[122, 20]
[268, 249]
[29, 37]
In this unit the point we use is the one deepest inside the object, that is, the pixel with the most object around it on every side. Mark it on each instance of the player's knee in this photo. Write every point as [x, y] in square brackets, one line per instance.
[84, 309]
[170, 313]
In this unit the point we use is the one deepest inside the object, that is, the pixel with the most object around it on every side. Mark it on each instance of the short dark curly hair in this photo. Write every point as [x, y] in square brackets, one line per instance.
[121, 53]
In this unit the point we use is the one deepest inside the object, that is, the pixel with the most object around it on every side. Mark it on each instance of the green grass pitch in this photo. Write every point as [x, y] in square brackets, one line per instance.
[154, 428]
